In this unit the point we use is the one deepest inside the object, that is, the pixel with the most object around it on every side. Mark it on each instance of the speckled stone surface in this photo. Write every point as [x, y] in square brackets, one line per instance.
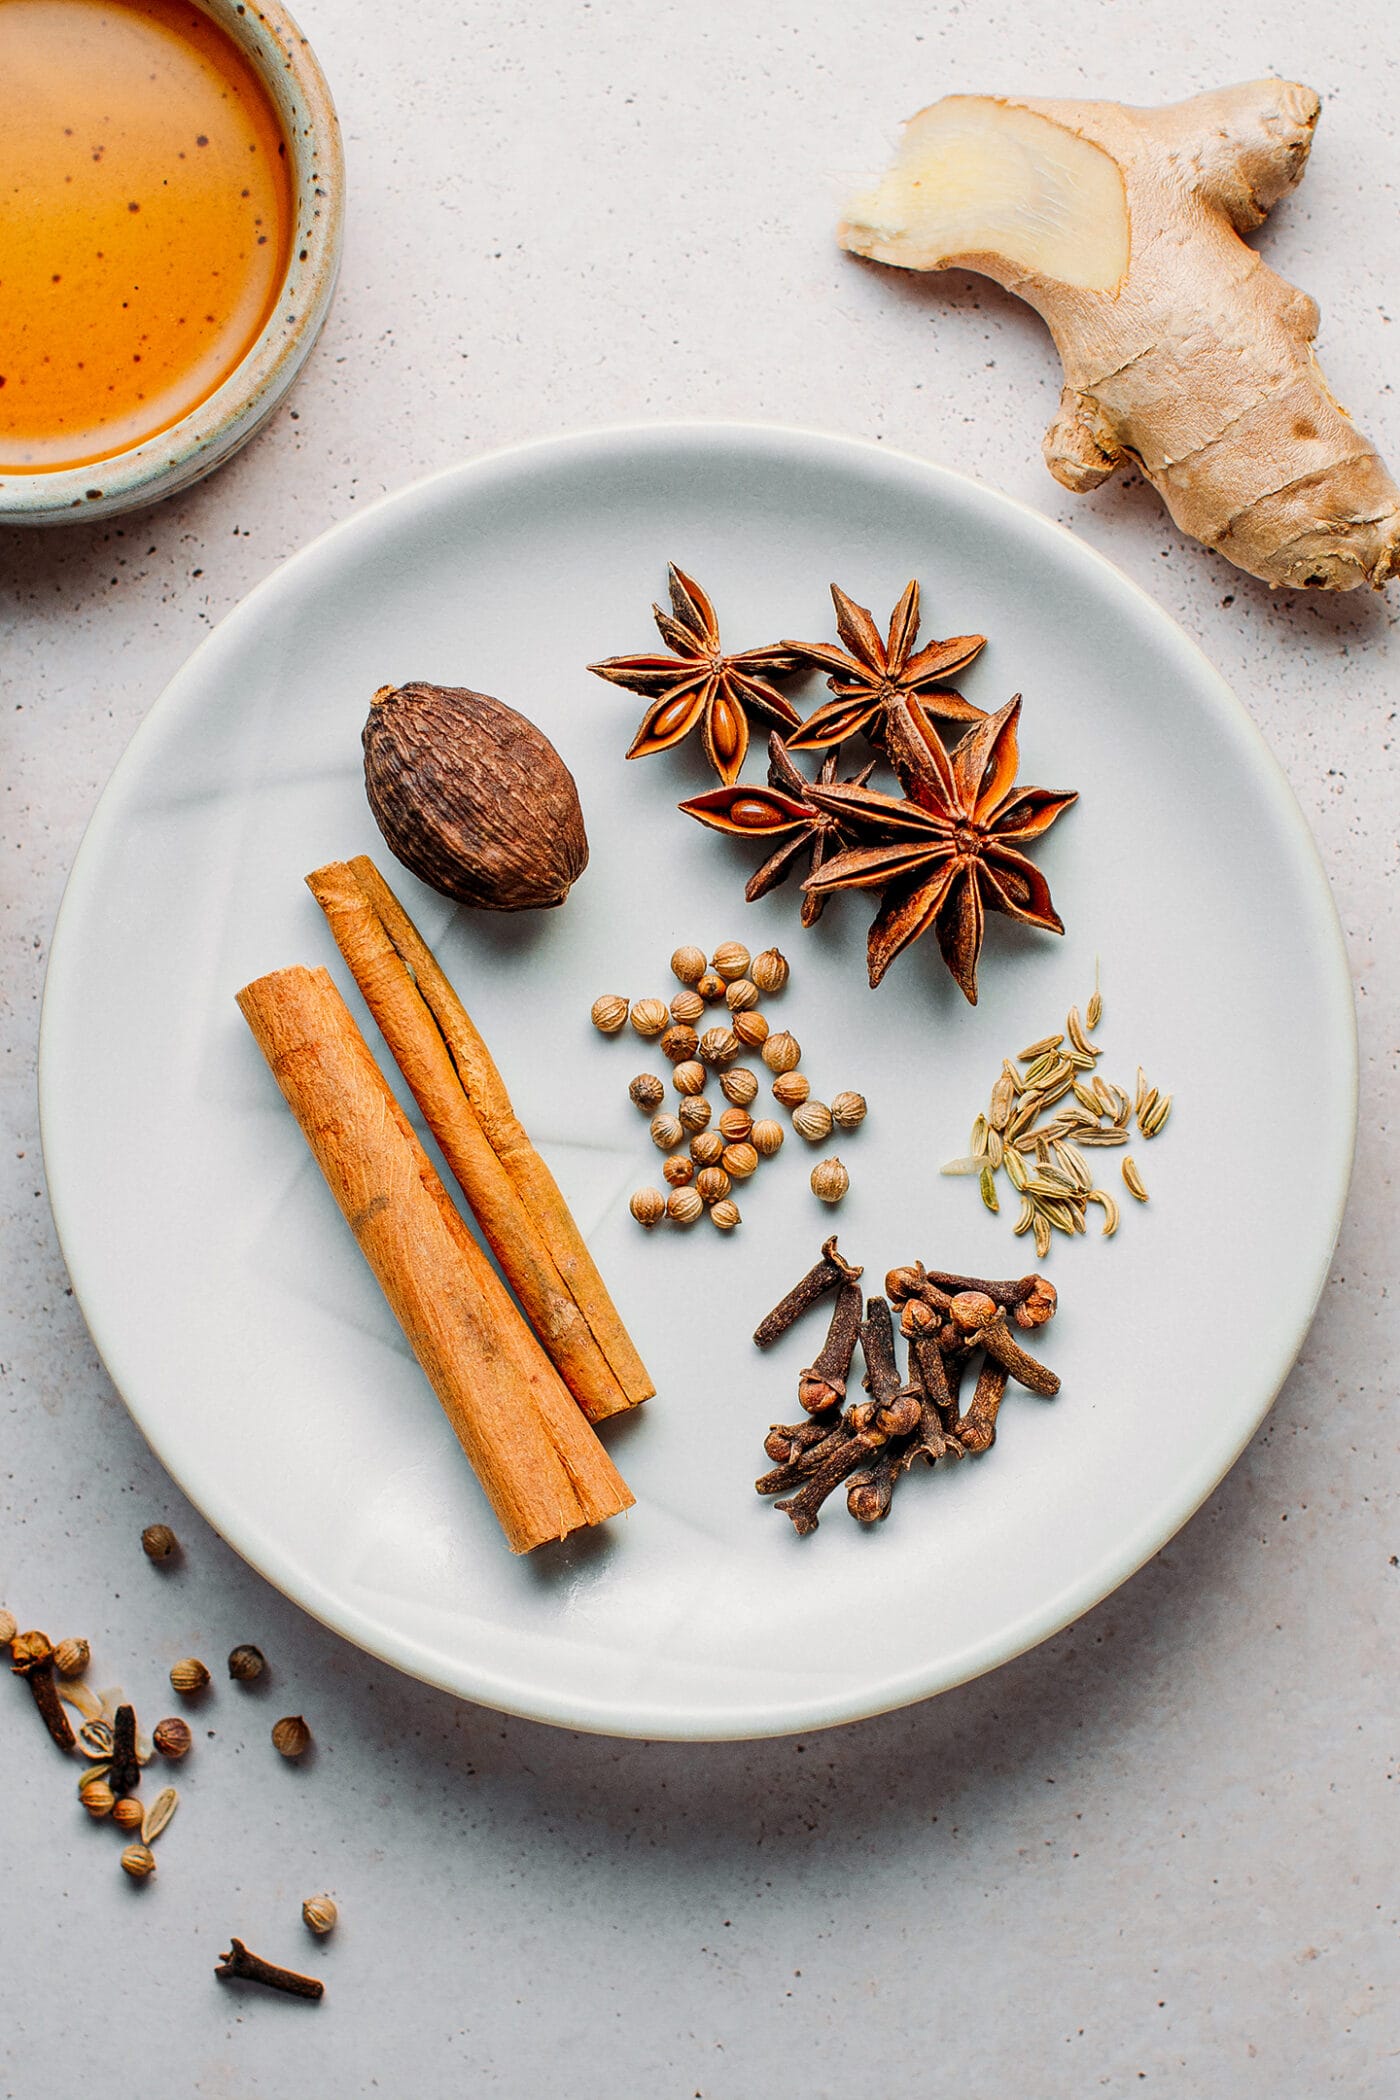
[1159, 1852]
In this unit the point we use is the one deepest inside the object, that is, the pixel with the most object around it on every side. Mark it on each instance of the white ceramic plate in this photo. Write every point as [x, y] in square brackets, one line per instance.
[238, 1319]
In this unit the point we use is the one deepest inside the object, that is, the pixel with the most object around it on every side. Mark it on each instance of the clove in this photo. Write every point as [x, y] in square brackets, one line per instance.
[830, 1271]
[241, 1965]
[31, 1657]
[976, 1431]
[823, 1386]
[125, 1775]
[870, 1492]
[994, 1337]
[1031, 1300]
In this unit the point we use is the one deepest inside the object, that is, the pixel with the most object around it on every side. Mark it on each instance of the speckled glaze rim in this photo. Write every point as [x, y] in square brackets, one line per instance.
[212, 432]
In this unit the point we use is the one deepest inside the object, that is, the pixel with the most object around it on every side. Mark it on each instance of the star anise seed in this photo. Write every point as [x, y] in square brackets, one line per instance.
[780, 811]
[878, 675]
[698, 684]
[951, 847]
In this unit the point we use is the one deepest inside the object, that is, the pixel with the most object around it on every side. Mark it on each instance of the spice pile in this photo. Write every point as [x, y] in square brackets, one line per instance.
[732, 1150]
[1033, 1133]
[866, 1446]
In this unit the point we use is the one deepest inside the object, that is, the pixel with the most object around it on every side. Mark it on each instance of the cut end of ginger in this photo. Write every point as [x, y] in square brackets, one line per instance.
[976, 176]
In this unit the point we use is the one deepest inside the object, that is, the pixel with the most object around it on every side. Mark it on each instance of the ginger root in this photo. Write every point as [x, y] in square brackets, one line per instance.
[1182, 350]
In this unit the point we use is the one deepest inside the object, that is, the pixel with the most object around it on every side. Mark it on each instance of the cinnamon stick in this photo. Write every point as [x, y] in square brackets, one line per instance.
[511, 1191]
[539, 1462]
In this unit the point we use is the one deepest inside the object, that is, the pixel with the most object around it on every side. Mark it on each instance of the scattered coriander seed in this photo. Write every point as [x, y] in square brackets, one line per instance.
[742, 995]
[694, 1112]
[648, 1207]
[188, 1677]
[609, 1013]
[688, 964]
[712, 1184]
[173, 1737]
[679, 1171]
[158, 1542]
[769, 971]
[735, 1124]
[666, 1132]
[731, 960]
[290, 1736]
[127, 1813]
[812, 1121]
[689, 1077]
[710, 987]
[71, 1658]
[687, 1007]
[678, 1043]
[649, 1016]
[791, 1089]
[9, 1627]
[318, 1913]
[648, 1092]
[848, 1111]
[830, 1180]
[782, 1052]
[138, 1861]
[739, 1160]
[751, 1029]
[719, 1046]
[739, 1085]
[683, 1206]
[96, 1796]
[766, 1137]
[725, 1215]
[245, 1662]
[706, 1149]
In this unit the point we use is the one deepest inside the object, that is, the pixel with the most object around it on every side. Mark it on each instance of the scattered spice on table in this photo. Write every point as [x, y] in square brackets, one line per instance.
[241, 1965]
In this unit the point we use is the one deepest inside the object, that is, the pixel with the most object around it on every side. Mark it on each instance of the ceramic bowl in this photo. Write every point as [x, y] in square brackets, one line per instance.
[227, 418]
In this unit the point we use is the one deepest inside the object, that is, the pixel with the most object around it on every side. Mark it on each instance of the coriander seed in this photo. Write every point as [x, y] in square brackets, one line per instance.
[712, 1184]
[173, 1737]
[719, 1046]
[245, 1662]
[725, 1215]
[688, 964]
[188, 1677]
[127, 1813]
[739, 1160]
[96, 1796]
[649, 1016]
[665, 1132]
[683, 1206]
[679, 1171]
[848, 1111]
[710, 987]
[138, 1861]
[609, 1013]
[791, 1089]
[648, 1207]
[71, 1658]
[735, 1124]
[690, 1077]
[319, 1914]
[687, 1007]
[648, 1092]
[694, 1112]
[707, 1148]
[830, 1180]
[766, 1137]
[741, 996]
[9, 1627]
[739, 1085]
[812, 1121]
[769, 971]
[290, 1736]
[730, 960]
[678, 1043]
[158, 1542]
[782, 1052]
[751, 1029]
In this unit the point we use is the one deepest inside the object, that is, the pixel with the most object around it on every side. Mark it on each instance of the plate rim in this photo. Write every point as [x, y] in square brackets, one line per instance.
[676, 1721]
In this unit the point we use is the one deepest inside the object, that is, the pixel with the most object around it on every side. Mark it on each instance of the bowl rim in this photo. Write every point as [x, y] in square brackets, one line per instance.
[266, 33]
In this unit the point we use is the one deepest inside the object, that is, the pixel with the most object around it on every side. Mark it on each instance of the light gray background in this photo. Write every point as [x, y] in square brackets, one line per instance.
[1160, 1850]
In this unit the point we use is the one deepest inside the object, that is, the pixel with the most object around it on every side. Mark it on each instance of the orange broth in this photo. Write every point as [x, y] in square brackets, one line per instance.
[145, 222]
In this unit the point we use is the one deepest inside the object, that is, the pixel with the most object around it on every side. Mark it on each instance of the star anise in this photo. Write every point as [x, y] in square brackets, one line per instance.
[782, 811]
[699, 683]
[878, 675]
[951, 847]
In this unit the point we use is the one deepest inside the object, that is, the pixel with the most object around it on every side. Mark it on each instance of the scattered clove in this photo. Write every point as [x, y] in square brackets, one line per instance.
[823, 1385]
[125, 1774]
[241, 1965]
[825, 1276]
[31, 1657]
